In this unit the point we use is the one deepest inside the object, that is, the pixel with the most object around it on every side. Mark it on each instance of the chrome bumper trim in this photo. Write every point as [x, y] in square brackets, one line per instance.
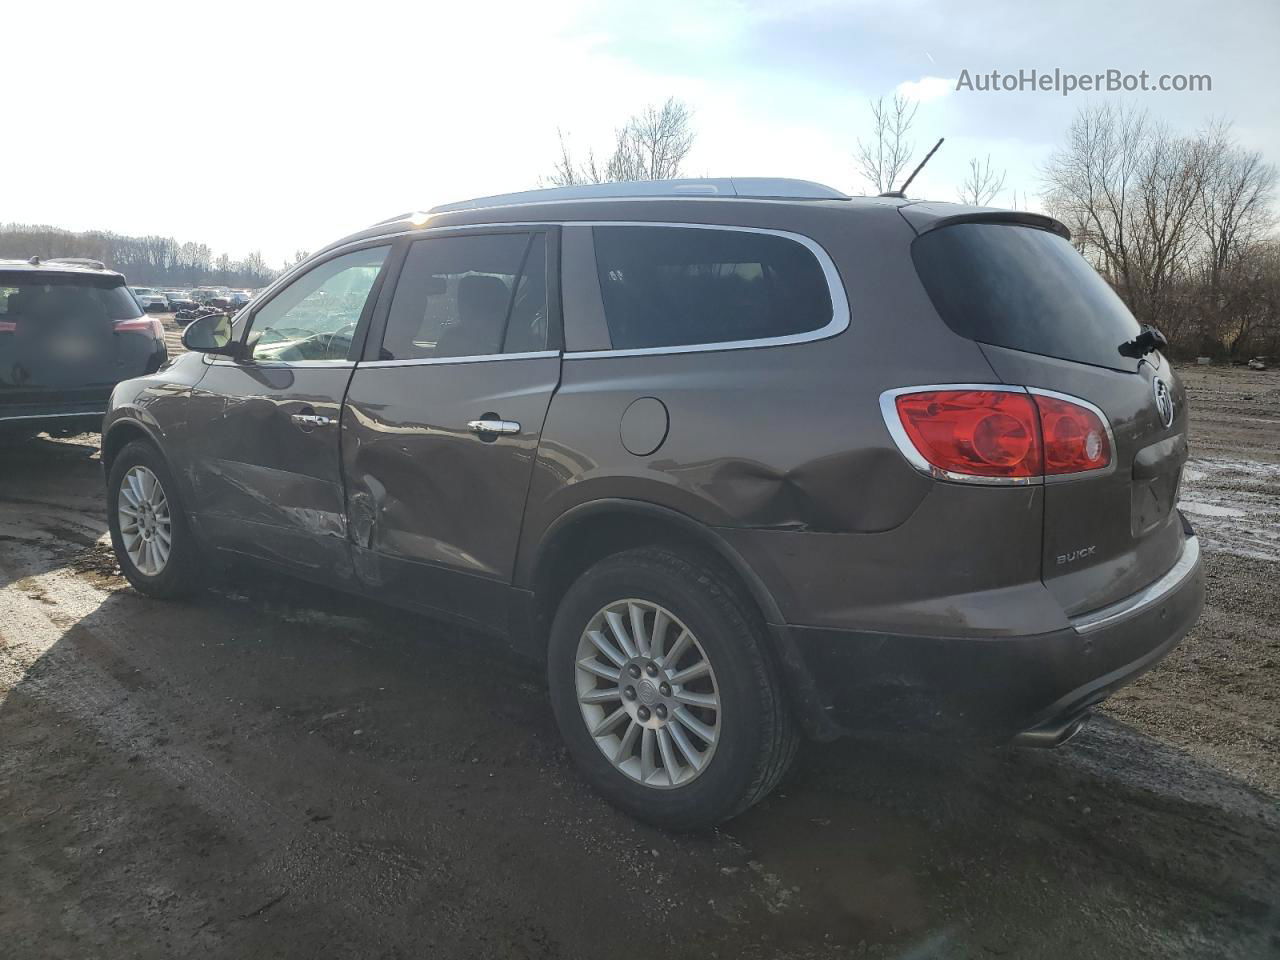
[1147, 597]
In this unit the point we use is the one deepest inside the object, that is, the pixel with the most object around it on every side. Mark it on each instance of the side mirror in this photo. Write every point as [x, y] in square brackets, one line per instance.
[211, 334]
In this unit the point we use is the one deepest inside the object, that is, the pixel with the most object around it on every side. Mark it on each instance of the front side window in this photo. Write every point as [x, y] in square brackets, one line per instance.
[469, 296]
[315, 316]
[683, 286]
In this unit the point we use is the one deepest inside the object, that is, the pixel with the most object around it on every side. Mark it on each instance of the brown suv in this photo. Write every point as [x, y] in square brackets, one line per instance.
[739, 458]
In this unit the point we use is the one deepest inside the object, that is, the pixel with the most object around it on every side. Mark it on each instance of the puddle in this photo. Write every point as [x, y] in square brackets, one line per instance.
[1234, 505]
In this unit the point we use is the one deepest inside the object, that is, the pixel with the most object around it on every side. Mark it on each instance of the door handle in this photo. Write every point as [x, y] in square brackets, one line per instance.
[312, 420]
[495, 427]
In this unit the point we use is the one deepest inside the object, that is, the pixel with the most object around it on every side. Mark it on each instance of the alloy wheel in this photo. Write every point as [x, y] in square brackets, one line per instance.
[146, 527]
[648, 694]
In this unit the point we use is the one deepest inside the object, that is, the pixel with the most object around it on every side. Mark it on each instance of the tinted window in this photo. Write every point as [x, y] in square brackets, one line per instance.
[35, 298]
[315, 316]
[459, 297]
[677, 286]
[1025, 289]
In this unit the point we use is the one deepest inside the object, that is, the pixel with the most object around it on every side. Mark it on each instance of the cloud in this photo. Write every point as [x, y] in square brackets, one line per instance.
[926, 88]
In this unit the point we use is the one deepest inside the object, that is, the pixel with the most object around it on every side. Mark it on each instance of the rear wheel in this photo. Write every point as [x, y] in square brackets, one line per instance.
[664, 691]
[148, 527]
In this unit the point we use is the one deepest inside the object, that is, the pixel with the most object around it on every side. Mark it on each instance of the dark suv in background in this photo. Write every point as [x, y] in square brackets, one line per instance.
[740, 459]
[70, 330]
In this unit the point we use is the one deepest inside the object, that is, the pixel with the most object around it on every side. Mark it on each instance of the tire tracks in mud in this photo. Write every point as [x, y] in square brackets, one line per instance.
[79, 673]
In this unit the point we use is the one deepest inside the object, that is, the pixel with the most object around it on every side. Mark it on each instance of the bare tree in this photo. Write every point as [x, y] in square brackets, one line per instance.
[1128, 189]
[150, 259]
[1182, 226]
[881, 160]
[652, 145]
[297, 258]
[1234, 217]
[982, 183]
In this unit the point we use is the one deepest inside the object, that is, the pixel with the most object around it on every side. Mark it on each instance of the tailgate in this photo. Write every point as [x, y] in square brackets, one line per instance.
[1047, 321]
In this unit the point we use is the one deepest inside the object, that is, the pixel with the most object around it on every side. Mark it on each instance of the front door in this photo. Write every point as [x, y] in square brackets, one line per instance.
[442, 419]
[267, 471]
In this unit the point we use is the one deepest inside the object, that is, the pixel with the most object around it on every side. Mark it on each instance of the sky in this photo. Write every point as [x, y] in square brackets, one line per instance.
[281, 127]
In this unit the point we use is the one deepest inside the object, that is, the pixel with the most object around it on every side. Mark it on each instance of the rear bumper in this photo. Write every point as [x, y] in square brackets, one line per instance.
[1032, 688]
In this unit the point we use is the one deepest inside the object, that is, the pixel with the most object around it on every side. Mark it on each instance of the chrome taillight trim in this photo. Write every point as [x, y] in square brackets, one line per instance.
[892, 422]
[1106, 425]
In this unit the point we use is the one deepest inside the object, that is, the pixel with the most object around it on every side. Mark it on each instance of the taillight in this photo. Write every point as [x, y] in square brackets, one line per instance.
[990, 435]
[973, 433]
[141, 325]
[1075, 438]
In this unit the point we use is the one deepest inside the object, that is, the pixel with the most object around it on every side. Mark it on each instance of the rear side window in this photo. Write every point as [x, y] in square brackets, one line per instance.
[1026, 289]
[683, 286]
[29, 298]
[469, 296]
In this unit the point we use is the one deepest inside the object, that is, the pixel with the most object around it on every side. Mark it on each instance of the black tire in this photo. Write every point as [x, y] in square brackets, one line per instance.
[758, 735]
[181, 575]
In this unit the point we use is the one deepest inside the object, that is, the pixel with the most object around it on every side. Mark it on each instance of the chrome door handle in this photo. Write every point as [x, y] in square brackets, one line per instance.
[505, 427]
[312, 420]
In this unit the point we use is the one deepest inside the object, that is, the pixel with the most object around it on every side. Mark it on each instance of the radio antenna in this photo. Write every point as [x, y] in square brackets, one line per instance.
[901, 192]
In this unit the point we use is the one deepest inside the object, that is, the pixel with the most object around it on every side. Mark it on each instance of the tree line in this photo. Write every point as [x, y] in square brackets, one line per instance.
[151, 261]
[1183, 226]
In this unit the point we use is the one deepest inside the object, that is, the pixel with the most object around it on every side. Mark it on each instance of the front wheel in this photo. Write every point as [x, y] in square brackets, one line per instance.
[149, 530]
[664, 691]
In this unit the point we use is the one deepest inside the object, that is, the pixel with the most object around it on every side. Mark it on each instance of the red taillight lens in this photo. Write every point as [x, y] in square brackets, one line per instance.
[141, 325]
[1075, 437]
[977, 433]
[1003, 434]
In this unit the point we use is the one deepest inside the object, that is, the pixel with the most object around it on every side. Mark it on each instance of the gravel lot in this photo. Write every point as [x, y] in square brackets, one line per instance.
[272, 771]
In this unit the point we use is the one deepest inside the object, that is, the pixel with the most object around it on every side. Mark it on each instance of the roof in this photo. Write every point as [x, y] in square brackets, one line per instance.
[754, 188]
[776, 203]
[58, 265]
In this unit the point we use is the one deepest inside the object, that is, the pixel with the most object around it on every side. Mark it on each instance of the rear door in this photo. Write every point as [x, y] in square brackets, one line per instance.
[1046, 320]
[266, 467]
[442, 419]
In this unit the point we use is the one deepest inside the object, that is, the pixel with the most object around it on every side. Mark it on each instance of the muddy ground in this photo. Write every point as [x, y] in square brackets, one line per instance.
[271, 771]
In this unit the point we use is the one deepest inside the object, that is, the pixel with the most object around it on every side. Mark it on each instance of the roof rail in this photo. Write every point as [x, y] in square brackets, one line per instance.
[755, 188]
[74, 262]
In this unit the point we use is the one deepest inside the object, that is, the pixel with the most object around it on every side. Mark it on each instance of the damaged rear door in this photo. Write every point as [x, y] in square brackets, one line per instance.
[443, 416]
[266, 470]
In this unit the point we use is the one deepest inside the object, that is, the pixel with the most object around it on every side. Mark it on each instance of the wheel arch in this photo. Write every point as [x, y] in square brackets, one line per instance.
[121, 433]
[590, 531]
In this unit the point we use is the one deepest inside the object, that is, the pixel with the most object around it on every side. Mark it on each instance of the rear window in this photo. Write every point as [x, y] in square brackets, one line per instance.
[35, 297]
[680, 286]
[1026, 289]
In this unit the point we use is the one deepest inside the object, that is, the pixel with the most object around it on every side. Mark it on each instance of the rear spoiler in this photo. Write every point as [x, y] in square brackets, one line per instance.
[924, 217]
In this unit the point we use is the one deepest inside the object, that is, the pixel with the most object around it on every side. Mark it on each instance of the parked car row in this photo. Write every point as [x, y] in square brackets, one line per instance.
[172, 301]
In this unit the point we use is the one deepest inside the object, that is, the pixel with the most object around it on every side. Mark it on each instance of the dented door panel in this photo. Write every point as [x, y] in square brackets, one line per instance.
[268, 485]
[434, 508]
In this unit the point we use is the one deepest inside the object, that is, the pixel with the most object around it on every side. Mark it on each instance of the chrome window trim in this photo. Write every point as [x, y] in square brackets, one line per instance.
[840, 315]
[477, 358]
[277, 364]
[1106, 425]
[889, 412]
[51, 416]
[838, 323]
[1147, 597]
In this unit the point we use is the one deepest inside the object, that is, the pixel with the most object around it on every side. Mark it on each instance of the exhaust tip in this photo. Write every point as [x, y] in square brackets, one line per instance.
[1052, 734]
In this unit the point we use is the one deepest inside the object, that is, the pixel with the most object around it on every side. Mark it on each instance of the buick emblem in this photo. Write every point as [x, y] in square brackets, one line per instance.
[1164, 401]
